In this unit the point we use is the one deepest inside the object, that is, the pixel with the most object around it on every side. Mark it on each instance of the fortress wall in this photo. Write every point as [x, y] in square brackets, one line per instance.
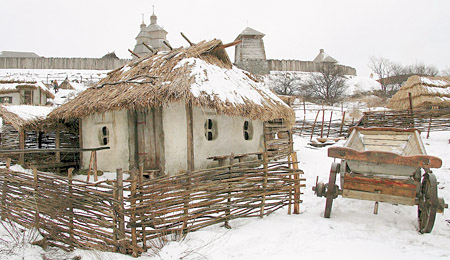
[61, 63]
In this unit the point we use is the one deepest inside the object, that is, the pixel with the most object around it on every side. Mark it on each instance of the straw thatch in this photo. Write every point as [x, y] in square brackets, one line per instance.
[426, 92]
[161, 79]
[24, 116]
[10, 85]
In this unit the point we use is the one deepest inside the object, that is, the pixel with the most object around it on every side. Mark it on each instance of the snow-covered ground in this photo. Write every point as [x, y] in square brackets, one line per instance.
[352, 232]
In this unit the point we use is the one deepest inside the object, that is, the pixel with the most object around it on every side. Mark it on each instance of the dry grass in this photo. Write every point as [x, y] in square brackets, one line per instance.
[423, 94]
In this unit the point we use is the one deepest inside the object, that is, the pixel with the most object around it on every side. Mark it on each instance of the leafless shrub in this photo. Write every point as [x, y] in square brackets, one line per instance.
[17, 239]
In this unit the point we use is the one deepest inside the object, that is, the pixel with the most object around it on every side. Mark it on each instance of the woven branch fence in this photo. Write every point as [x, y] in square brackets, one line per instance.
[428, 120]
[126, 215]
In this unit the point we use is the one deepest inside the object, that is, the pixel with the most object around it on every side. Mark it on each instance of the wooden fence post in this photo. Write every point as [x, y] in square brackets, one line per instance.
[4, 192]
[323, 121]
[58, 146]
[314, 125]
[263, 200]
[133, 214]
[296, 183]
[142, 216]
[21, 146]
[429, 126]
[8, 163]
[329, 124]
[120, 212]
[342, 124]
[228, 209]
[36, 197]
[71, 227]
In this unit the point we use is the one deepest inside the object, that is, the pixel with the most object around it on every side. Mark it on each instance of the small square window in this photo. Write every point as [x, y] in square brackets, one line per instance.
[6, 100]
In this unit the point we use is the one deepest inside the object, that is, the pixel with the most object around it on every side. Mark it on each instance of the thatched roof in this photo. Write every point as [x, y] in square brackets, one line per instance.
[425, 93]
[24, 116]
[201, 74]
[11, 84]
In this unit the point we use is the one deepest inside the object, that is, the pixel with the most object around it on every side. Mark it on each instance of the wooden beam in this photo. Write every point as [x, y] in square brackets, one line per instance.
[149, 48]
[134, 54]
[223, 46]
[64, 150]
[186, 38]
[190, 137]
[167, 44]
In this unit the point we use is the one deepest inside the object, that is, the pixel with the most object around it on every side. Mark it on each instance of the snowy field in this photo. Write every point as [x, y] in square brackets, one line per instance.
[352, 232]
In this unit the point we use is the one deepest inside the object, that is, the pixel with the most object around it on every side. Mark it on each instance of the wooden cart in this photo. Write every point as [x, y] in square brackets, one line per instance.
[385, 165]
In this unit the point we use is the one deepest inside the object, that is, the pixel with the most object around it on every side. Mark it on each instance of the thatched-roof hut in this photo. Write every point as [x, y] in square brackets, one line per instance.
[426, 92]
[23, 91]
[165, 110]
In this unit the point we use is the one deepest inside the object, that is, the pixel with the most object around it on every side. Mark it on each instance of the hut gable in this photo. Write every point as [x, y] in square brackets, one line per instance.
[426, 92]
[201, 74]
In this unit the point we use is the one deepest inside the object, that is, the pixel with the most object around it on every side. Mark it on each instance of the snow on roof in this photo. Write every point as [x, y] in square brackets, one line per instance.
[27, 112]
[434, 82]
[228, 85]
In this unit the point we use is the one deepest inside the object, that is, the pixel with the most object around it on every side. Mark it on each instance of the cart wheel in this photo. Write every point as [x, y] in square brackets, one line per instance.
[428, 202]
[331, 189]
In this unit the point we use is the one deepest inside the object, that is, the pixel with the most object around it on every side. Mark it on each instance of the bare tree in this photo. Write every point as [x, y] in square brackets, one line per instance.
[421, 69]
[285, 83]
[446, 72]
[381, 67]
[328, 84]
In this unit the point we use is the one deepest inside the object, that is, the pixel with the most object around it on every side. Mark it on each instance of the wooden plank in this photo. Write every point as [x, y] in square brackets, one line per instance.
[424, 161]
[361, 195]
[395, 187]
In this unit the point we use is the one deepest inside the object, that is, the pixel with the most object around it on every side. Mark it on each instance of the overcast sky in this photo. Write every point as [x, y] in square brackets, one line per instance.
[351, 31]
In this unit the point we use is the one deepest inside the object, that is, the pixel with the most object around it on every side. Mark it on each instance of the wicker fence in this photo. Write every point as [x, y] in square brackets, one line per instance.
[126, 215]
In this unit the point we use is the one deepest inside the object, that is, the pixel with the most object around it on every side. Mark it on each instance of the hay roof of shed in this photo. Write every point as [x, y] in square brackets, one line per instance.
[201, 74]
[24, 116]
[12, 83]
[425, 93]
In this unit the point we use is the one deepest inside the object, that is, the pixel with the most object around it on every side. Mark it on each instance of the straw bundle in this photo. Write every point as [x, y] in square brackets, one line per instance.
[426, 92]
[161, 79]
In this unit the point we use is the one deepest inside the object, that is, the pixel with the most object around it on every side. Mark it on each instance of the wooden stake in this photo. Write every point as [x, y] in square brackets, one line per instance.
[263, 201]
[323, 121]
[21, 146]
[149, 48]
[314, 125]
[137, 56]
[71, 227]
[36, 197]
[167, 44]
[133, 213]
[121, 211]
[342, 123]
[186, 38]
[8, 163]
[329, 124]
[429, 126]
[58, 146]
[190, 137]
[296, 183]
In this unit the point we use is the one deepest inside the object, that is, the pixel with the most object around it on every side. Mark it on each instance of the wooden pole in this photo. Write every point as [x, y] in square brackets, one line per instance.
[190, 137]
[186, 38]
[58, 146]
[120, 212]
[149, 48]
[8, 163]
[323, 121]
[71, 227]
[290, 187]
[296, 184]
[429, 126]
[342, 123]
[142, 216]
[329, 124]
[137, 56]
[314, 125]
[36, 196]
[263, 201]
[21, 146]
[304, 117]
[228, 209]
[133, 213]
[4, 192]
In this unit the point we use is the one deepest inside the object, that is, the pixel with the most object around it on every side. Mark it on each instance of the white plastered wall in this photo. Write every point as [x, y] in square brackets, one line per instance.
[118, 154]
[230, 137]
[15, 97]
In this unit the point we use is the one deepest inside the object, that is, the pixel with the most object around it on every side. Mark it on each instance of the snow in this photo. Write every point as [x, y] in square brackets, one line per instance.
[437, 90]
[228, 85]
[435, 82]
[47, 75]
[358, 84]
[352, 232]
[28, 112]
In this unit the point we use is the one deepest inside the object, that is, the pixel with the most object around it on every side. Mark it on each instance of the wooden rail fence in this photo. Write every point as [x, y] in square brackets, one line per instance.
[125, 215]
